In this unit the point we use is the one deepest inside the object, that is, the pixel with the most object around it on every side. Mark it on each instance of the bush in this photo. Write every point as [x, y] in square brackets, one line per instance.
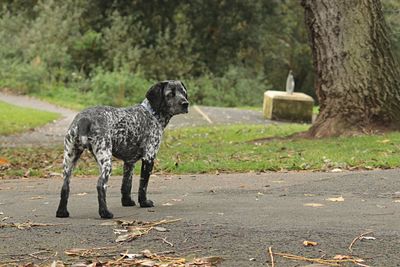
[23, 78]
[237, 87]
[118, 88]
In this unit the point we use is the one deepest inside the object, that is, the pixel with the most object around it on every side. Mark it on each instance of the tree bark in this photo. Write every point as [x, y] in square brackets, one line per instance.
[357, 78]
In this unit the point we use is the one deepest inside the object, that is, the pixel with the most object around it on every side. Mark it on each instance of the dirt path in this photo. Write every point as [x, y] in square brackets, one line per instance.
[53, 133]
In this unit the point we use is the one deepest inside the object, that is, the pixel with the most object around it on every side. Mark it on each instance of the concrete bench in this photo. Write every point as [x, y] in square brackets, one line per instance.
[296, 107]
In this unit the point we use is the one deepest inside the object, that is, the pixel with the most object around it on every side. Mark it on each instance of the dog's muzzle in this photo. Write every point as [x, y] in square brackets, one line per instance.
[185, 106]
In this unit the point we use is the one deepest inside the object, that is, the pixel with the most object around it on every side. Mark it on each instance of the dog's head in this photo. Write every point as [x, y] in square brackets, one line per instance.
[168, 97]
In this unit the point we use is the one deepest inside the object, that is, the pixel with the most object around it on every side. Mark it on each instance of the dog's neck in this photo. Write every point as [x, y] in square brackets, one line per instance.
[163, 119]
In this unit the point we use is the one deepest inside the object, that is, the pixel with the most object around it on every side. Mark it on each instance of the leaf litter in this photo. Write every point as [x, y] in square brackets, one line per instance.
[110, 256]
[144, 258]
[132, 230]
[27, 225]
[337, 260]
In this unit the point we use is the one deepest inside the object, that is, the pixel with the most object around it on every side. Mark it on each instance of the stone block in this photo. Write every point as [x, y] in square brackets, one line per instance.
[296, 107]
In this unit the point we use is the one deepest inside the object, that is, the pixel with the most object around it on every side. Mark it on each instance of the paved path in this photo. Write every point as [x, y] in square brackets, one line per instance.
[53, 133]
[236, 216]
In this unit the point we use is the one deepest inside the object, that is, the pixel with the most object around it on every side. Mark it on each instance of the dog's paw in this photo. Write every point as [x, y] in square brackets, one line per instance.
[146, 204]
[105, 214]
[62, 213]
[127, 202]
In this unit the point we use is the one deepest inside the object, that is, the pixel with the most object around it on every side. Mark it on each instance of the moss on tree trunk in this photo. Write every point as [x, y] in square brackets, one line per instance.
[357, 77]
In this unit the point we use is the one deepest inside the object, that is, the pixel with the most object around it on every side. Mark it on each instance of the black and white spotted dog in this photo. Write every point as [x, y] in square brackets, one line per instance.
[129, 134]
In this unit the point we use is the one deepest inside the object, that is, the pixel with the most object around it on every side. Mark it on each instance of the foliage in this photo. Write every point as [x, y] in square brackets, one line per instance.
[227, 52]
[234, 148]
[15, 119]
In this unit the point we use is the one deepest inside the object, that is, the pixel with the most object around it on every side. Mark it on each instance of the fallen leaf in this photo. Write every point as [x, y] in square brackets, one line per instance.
[367, 238]
[335, 199]
[4, 161]
[131, 256]
[37, 197]
[81, 194]
[177, 199]
[315, 205]
[160, 229]
[76, 251]
[342, 257]
[336, 170]
[147, 263]
[384, 141]
[309, 195]
[213, 260]
[167, 204]
[61, 264]
[309, 243]
[396, 201]
[122, 238]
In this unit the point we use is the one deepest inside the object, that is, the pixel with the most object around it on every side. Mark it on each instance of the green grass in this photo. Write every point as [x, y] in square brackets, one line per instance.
[14, 119]
[234, 148]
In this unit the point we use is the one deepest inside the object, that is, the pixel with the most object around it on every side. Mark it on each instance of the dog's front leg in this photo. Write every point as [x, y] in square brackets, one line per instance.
[147, 167]
[127, 185]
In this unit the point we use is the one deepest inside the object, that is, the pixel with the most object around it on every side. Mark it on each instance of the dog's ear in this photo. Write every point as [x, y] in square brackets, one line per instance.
[155, 95]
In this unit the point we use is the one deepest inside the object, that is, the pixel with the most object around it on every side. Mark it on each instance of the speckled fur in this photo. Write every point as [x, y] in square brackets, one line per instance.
[129, 134]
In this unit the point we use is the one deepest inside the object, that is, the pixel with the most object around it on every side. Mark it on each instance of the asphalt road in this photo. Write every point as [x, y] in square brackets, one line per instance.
[236, 216]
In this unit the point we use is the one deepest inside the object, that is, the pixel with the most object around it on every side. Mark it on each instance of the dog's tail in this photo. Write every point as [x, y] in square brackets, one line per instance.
[83, 130]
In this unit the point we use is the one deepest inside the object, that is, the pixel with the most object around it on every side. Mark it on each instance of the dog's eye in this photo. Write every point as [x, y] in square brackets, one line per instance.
[171, 94]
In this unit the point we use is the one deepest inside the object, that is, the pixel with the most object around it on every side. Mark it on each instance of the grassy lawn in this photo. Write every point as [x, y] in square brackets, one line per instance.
[15, 119]
[235, 148]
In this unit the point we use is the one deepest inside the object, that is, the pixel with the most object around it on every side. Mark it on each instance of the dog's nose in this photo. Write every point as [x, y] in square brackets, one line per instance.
[185, 104]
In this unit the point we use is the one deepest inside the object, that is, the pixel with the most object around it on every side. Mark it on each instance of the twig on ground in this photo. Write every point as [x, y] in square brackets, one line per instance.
[2, 263]
[33, 255]
[271, 255]
[166, 241]
[163, 222]
[356, 239]
[332, 262]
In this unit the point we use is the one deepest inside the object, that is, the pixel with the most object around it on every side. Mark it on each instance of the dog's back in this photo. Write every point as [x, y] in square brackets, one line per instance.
[122, 129]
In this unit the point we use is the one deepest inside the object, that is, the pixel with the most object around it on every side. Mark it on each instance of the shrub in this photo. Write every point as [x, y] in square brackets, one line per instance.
[118, 88]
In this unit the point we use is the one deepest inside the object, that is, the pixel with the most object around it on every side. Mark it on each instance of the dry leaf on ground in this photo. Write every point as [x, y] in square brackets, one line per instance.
[309, 243]
[37, 197]
[27, 225]
[314, 205]
[335, 199]
[136, 229]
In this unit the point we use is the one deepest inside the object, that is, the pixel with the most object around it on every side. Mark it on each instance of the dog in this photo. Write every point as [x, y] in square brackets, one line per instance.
[129, 134]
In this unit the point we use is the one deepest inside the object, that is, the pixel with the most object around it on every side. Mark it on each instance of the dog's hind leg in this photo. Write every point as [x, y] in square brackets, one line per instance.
[71, 156]
[127, 184]
[103, 155]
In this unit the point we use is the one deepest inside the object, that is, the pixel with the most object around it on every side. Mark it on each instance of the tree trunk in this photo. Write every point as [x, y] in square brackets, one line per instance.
[357, 78]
